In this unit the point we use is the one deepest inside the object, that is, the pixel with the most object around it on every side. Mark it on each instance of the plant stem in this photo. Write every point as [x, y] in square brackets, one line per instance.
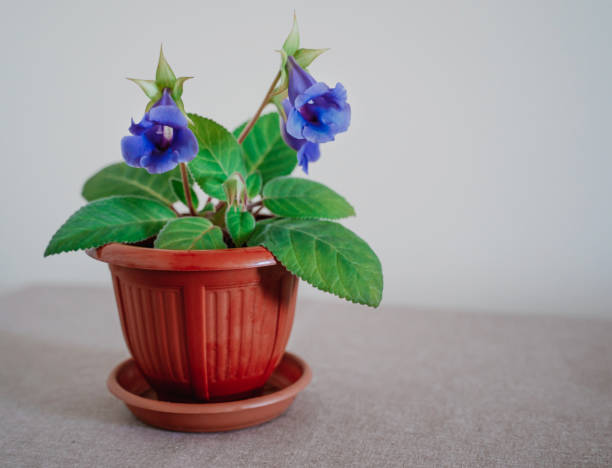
[250, 206]
[187, 189]
[264, 103]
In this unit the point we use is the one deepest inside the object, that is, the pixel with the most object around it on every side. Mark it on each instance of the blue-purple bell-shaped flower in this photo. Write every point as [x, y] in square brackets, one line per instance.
[315, 114]
[161, 140]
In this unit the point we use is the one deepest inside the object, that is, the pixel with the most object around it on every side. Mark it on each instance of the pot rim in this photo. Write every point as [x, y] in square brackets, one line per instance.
[146, 258]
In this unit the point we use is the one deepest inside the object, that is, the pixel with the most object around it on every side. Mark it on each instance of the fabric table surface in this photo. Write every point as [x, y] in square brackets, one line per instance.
[391, 387]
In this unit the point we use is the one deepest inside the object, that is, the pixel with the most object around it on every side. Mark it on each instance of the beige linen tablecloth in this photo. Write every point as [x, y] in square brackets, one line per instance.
[391, 387]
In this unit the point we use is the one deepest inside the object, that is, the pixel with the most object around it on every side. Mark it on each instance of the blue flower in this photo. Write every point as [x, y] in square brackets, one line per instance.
[161, 139]
[315, 114]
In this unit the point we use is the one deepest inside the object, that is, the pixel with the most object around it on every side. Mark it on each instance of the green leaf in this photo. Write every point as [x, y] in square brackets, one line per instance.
[121, 179]
[190, 233]
[293, 197]
[208, 207]
[164, 76]
[254, 183]
[326, 255]
[219, 157]
[292, 43]
[218, 217]
[179, 191]
[265, 151]
[240, 225]
[113, 219]
[149, 87]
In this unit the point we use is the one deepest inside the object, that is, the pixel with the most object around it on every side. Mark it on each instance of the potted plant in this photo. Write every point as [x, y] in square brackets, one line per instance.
[206, 233]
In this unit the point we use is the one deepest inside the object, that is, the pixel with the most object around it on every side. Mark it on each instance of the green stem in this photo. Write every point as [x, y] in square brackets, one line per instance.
[187, 189]
[264, 103]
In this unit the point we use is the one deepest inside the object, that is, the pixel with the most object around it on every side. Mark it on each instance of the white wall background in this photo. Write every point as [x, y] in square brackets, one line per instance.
[479, 158]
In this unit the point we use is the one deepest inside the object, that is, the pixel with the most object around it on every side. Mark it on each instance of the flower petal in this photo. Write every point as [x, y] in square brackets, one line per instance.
[159, 162]
[299, 79]
[184, 145]
[318, 133]
[166, 99]
[168, 115]
[140, 127]
[338, 93]
[337, 119]
[309, 152]
[287, 106]
[316, 90]
[295, 124]
[134, 148]
[166, 112]
[293, 143]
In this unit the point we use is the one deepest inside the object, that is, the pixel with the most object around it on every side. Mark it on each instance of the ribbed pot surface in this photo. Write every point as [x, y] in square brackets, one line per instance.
[208, 334]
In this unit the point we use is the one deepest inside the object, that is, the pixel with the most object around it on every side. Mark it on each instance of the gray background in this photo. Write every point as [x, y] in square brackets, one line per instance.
[478, 159]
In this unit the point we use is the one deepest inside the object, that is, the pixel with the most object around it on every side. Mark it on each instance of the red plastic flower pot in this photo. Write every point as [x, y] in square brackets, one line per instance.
[210, 324]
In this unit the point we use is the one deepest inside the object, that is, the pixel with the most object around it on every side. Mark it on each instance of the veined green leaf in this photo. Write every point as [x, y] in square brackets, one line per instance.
[326, 255]
[219, 157]
[254, 183]
[113, 219]
[240, 225]
[293, 197]
[121, 179]
[265, 150]
[190, 233]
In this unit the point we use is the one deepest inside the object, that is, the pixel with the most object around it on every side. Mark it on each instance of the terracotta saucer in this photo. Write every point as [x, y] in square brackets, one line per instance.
[289, 378]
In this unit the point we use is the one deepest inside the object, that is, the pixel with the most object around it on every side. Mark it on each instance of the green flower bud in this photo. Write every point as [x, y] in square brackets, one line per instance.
[164, 79]
[305, 57]
[292, 43]
[291, 48]
[149, 87]
[235, 190]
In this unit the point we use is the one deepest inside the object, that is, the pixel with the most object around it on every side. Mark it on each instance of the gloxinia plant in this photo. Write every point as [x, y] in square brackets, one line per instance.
[187, 183]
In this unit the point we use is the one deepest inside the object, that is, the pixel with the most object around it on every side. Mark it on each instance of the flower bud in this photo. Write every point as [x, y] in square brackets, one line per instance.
[164, 76]
[292, 43]
[235, 190]
[291, 48]
[164, 79]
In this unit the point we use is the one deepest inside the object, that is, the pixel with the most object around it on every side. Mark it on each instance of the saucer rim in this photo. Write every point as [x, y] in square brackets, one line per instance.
[132, 399]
